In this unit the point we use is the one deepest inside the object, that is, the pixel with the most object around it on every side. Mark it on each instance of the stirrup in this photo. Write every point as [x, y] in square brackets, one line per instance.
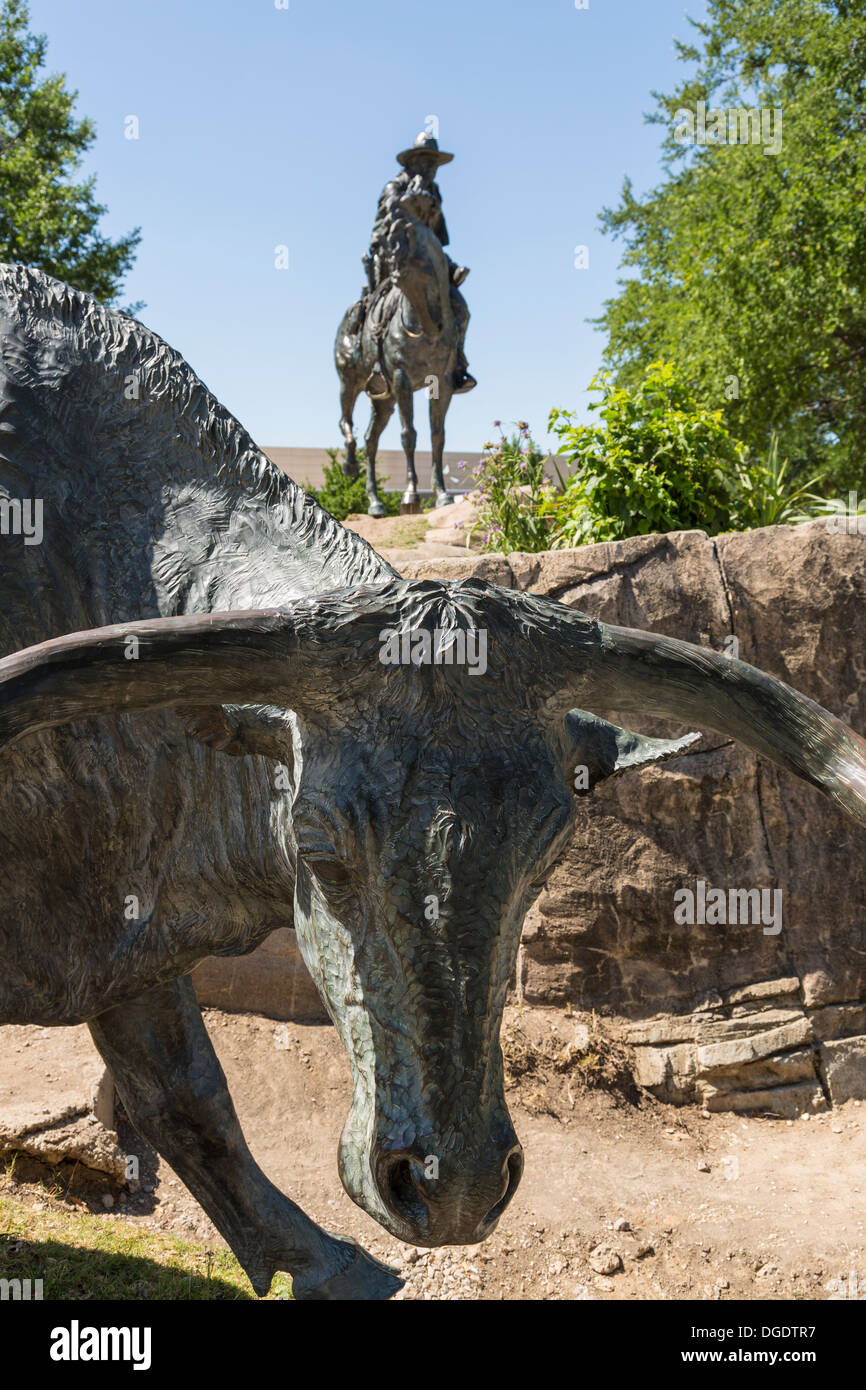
[376, 386]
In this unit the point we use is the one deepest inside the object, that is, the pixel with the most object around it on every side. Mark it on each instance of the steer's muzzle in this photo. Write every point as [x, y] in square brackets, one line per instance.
[453, 1200]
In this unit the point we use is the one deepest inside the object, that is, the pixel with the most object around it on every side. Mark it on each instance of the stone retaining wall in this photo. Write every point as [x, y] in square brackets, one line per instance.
[726, 1016]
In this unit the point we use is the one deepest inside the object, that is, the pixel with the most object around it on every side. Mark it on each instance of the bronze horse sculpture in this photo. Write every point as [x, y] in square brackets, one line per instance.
[189, 625]
[408, 338]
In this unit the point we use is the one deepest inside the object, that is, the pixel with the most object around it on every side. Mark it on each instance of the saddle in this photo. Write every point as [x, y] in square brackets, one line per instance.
[380, 308]
[374, 312]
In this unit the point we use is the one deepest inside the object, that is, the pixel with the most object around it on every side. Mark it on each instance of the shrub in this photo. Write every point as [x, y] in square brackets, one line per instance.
[510, 489]
[660, 461]
[342, 496]
[765, 494]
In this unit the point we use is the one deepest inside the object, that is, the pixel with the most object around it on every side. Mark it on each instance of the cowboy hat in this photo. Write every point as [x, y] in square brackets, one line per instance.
[424, 144]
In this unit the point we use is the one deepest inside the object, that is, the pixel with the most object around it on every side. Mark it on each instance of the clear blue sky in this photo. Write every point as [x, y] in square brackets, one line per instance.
[262, 126]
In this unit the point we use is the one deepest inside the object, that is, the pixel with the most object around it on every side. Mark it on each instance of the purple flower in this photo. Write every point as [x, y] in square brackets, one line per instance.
[497, 424]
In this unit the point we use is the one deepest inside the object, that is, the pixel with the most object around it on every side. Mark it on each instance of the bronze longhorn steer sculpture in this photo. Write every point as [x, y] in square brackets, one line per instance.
[191, 624]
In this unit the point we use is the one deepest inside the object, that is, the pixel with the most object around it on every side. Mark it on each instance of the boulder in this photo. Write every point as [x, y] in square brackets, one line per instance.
[843, 1063]
[272, 980]
[785, 1102]
[57, 1099]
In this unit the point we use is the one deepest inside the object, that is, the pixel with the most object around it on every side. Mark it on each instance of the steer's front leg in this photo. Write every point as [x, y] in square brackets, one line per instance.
[175, 1093]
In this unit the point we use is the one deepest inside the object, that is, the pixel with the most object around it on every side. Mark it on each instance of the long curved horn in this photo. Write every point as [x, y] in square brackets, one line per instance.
[621, 669]
[257, 657]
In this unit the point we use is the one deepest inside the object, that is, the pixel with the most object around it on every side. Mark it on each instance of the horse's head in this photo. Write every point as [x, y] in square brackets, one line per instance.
[419, 264]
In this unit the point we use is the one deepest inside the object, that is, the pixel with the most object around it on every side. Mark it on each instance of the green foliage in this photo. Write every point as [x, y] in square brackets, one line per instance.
[511, 487]
[660, 461]
[342, 496]
[765, 494]
[46, 220]
[751, 266]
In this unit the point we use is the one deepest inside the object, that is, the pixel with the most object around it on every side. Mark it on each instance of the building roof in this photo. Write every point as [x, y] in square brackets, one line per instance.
[308, 466]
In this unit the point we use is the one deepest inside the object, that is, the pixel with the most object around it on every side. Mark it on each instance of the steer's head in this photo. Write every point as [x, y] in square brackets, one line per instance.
[425, 824]
[437, 753]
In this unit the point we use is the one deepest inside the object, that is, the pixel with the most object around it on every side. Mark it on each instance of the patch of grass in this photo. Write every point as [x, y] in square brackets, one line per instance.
[518, 1054]
[94, 1257]
[408, 532]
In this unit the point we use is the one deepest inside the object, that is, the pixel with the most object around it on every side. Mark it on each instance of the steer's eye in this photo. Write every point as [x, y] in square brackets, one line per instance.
[332, 872]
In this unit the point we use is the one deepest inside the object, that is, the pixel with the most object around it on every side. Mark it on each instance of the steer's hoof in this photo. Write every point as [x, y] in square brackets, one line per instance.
[365, 1279]
[377, 508]
[444, 499]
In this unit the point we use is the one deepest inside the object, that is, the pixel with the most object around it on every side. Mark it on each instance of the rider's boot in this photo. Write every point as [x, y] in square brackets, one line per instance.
[463, 380]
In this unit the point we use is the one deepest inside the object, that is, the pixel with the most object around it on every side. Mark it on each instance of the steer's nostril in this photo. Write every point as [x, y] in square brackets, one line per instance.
[512, 1172]
[459, 1205]
[402, 1194]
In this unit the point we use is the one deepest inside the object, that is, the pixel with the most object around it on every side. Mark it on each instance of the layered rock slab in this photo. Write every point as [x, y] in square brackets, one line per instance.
[57, 1099]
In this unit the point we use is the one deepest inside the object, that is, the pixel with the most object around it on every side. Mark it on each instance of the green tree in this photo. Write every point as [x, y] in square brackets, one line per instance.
[751, 264]
[46, 219]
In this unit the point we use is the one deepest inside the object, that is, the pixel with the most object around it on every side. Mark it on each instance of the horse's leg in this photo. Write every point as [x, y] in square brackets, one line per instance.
[383, 409]
[175, 1093]
[408, 438]
[348, 397]
[438, 410]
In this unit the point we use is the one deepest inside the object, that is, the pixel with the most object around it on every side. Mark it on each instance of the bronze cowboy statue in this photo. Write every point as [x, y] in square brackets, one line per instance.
[407, 330]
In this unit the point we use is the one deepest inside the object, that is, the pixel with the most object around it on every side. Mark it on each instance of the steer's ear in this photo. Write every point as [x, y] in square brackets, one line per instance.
[598, 749]
[584, 662]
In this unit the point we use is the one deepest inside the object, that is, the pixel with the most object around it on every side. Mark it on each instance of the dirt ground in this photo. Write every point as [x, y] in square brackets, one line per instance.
[432, 535]
[683, 1205]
